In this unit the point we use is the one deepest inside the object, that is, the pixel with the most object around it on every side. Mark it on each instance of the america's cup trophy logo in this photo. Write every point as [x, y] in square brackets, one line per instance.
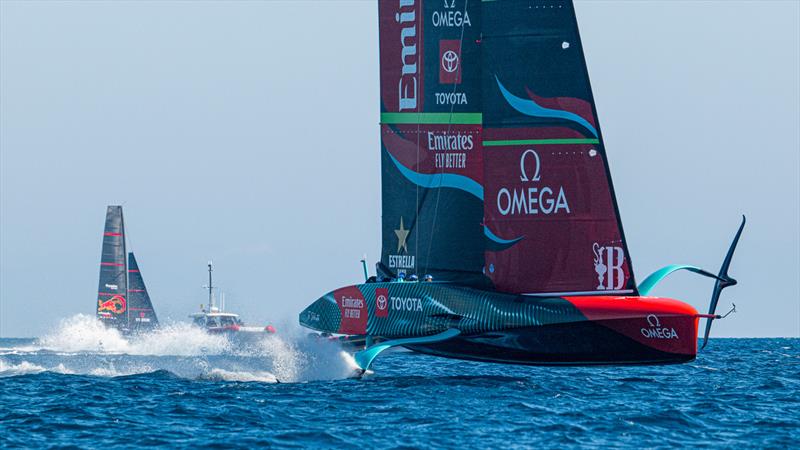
[599, 267]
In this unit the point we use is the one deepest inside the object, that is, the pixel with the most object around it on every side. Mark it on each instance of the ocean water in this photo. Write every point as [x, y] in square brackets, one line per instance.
[89, 387]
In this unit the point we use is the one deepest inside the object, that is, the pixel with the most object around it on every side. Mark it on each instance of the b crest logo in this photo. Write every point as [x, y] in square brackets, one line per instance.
[608, 263]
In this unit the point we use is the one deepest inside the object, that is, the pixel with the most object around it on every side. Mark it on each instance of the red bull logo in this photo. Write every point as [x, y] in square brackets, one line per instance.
[115, 304]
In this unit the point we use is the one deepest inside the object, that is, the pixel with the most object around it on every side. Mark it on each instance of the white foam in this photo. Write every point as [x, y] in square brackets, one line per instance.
[83, 333]
[87, 346]
[180, 339]
[295, 357]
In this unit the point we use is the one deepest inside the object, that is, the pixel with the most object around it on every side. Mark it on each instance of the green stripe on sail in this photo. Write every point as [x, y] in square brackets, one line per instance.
[539, 141]
[434, 118]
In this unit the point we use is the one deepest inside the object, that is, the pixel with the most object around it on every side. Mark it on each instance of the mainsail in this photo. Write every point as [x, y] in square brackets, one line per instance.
[112, 302]
[494, 172]
[431, 157]
[141, 313]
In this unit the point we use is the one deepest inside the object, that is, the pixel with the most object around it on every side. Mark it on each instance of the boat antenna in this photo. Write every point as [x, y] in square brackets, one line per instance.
[210, 288]
[364, 266]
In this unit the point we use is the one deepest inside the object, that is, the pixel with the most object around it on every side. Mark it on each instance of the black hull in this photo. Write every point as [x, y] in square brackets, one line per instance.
[576, 343]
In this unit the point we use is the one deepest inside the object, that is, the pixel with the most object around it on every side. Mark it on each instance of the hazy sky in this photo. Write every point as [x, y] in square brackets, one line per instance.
[247, 133]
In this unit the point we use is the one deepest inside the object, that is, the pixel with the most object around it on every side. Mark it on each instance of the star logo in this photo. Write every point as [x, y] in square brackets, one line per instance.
[402, 234]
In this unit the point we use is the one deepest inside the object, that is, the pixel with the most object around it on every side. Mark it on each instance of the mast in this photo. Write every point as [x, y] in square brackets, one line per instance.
[125, 268]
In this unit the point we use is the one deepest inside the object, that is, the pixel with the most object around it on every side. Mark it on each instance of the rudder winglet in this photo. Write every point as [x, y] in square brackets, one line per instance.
[365, 357]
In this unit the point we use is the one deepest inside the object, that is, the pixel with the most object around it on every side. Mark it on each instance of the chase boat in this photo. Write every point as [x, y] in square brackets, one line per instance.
[495, 182]
[214, 320]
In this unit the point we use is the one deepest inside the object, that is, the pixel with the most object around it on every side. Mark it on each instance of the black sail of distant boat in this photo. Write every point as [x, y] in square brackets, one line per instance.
[142, 316]
[112, 295]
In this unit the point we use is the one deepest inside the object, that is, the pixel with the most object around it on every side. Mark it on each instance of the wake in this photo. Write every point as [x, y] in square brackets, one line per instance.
[81, 345]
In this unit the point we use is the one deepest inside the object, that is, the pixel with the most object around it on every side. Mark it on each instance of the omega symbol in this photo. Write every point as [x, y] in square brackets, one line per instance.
[523, 173]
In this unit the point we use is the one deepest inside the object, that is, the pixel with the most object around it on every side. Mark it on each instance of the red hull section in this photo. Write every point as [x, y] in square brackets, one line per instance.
[663, 324]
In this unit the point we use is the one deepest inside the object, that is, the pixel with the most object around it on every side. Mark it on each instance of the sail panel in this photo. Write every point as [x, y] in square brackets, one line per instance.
[431, 152]
[142, 315]
[112, 297]
[548, 191]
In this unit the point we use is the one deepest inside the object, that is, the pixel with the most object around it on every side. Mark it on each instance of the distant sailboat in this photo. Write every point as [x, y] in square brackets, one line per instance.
[123, 302]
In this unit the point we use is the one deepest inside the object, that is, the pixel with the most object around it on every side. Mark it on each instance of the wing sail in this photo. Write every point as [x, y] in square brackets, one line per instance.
[112, 295]
[494, 172]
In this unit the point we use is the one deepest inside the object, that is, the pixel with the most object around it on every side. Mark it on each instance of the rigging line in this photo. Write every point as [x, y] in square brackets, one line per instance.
[128, 242]
[416, 204]
[449, 128]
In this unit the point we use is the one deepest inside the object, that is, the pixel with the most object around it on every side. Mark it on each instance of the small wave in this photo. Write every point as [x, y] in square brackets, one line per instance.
[636, 380]
[23, 368]
[226, 375]
[113, 372]
[8, 369]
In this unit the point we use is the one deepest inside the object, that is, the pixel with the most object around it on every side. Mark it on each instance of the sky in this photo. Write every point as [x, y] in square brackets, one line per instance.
[247, 133]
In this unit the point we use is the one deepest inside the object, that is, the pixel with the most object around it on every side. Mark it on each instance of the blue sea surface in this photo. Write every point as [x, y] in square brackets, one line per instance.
[193, 391]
